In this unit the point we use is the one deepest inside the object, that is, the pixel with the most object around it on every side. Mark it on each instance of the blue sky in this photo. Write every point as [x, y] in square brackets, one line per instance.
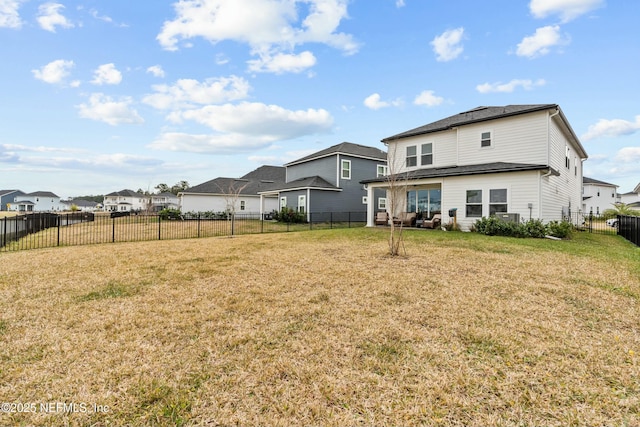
[99, 96]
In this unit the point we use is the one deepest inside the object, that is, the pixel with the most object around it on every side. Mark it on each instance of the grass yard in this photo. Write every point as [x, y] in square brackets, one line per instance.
[322, 328]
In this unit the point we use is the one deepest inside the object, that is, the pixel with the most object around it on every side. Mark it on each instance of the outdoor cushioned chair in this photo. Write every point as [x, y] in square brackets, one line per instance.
[406, 219]
[433, 222]
[382, 218]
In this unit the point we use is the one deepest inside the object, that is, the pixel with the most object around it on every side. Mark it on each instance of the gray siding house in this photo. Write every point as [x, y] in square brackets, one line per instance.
[7, 198]
[329, 180]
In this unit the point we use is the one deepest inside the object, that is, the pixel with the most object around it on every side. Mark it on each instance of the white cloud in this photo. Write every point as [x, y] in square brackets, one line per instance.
[629, 155]
[283, 62]
[540, 43]
[156, 70]
[49, 17]
[9, 16]
[510, 86]
[612, 128]
[428, 98]
[269, 28]
[566, 9]
[375, 103]
[242, 127]
[447, 45]
[54, 72]
[399, 3]
[187, 92]
[106, 74]
[104, 109]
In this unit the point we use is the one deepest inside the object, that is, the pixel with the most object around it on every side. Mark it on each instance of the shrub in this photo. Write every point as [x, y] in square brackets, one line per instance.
[169, 213]
[560, 229]
[290, 216]
[535, 228]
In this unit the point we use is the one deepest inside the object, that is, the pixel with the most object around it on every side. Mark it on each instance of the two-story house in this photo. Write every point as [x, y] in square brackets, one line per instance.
[7, 198]
[125, 201]
[329, 180]
[597, 196]
[38, 201]
[239, 195]
[632, 198]
[520, 159]
[164, 200]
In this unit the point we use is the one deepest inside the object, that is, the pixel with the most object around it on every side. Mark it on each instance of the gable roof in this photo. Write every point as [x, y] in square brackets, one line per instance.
[310, 182]
[41, 194]
[126, 193]
[586, 180]
[348, 148]
[6, 192]
[484, 168]
[250, 184]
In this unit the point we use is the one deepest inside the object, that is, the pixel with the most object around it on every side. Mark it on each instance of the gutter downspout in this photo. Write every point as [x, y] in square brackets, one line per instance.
[550, 172]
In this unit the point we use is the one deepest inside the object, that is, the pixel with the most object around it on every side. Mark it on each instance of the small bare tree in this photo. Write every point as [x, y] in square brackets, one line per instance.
[231, 193]
[396, 200]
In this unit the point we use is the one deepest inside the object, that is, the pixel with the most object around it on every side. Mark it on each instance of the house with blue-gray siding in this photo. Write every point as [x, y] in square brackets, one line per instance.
[329, 180]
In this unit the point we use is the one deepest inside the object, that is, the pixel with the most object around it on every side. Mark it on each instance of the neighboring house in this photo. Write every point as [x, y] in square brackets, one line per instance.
[234, 194]
[597, 196]
[38, 201]
[329, 180]
[7, 197]
[164, 201]
[632, 198]
[125, 201]
[520, 159]
[82, 205]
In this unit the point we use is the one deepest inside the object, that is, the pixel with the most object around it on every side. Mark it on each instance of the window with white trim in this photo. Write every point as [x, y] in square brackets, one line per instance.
[345, 169]
[485, 139]
[474, 204]
[283, 202]
[426, 157]
[566, 158]
[382, 170]
[498, 201]
[412, 156]
[382, 203]
[242, 205]
[302, 203]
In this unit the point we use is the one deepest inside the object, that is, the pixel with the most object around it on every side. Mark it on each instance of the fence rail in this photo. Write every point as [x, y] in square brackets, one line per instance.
[44, 230]
[629, 228]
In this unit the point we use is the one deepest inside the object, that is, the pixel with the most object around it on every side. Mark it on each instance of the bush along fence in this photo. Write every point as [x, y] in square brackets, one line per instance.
[44, 230]
[629, 228]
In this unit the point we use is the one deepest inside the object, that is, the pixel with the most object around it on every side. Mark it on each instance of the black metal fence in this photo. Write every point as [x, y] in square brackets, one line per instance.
[629, 228]
[44, 230]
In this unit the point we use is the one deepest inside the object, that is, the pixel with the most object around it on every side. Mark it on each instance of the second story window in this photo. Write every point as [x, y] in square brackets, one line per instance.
[242, 205]
[567, 162]
[382, 170]
[485, 139]
[412, 157]
[345, 169]
[427, 154]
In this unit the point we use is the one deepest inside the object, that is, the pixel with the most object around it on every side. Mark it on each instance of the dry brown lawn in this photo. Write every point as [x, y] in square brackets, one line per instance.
[322, 328]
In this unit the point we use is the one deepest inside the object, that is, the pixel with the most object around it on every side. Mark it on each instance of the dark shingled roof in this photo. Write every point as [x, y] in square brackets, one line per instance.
[348, 148]
[308, 182]
[586, 180]
[126, 193]
[497, 167]
[41, 194]
[478, 114]
[261, 179]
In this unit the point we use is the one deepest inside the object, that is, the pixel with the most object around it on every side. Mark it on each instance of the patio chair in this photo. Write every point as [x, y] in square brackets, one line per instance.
[382, 218]
[433, 222]
[406, 219]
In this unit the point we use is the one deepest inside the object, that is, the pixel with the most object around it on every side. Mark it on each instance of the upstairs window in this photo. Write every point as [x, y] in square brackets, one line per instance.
[427, 155]
[412, 156]
[346, 169]
[382, 170]
[242, 205]
[567, 162]
[485, 139]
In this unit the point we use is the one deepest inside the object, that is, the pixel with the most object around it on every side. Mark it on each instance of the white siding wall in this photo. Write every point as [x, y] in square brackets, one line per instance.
[444, 151]
[519, 139]
[564, 191]
[599, 198]
[216, 203]
[522, 189]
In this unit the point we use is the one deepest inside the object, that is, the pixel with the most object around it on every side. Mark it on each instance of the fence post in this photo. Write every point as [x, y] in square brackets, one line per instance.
[59, 220]
[198, 224]
[4, 238]
[113, 230]
[349, 219]
[310, 221]
[159, 225]
[331, 220]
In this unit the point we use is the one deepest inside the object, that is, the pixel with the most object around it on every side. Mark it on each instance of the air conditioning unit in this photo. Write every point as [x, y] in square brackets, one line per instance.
[508, 217]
